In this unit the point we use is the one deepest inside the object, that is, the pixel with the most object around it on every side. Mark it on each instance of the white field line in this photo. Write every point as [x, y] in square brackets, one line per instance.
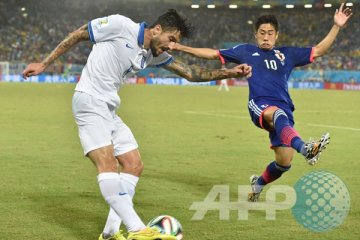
[296, 111]
[332, 126]
[211, 113]
[216, 115]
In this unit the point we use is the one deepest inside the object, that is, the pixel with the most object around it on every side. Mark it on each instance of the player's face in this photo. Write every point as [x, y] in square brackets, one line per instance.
[266, 36]
[164, 41]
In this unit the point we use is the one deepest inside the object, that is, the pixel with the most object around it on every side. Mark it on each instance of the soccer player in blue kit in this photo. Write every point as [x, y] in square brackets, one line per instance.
[270, 105]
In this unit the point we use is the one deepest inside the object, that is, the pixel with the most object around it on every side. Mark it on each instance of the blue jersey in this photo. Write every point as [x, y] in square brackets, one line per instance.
[270, 69]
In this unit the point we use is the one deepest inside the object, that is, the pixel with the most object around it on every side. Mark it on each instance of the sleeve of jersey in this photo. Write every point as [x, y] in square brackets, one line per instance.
[106, 28]
[230, 55]
[302, 56]
[162, 60]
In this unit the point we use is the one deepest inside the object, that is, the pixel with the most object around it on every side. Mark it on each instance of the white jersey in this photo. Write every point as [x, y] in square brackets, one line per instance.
[117, 51]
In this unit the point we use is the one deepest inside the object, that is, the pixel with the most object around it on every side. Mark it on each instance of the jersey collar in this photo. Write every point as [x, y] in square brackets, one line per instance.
[143, 25]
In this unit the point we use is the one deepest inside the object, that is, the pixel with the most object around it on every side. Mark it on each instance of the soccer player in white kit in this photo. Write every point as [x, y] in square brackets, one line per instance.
[121, 47]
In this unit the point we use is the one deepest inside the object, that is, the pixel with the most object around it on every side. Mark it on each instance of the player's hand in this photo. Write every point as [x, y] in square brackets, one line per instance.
[247, 70]
[176, 47]
[242, 70]
[342, 15]
[33, 69]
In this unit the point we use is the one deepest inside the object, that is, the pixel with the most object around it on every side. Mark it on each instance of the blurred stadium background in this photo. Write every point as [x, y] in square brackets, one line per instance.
[191, 137]
[30, 30]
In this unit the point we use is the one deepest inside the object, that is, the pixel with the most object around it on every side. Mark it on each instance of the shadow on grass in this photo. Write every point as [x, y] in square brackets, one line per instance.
[78, 214]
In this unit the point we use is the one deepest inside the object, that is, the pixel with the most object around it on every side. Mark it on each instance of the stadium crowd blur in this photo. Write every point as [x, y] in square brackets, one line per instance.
[30, 30]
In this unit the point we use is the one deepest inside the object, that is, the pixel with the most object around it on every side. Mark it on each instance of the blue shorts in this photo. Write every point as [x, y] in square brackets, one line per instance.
[257, 109]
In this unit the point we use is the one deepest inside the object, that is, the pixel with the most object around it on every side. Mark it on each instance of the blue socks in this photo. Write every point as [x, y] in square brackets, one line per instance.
[288, 134]
[272, 172]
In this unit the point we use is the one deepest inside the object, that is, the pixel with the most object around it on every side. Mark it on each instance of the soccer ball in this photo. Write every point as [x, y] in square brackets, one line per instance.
[167, 225]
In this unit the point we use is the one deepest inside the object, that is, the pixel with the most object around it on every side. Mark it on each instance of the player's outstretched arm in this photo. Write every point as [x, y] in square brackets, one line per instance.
[206, 53]
[341, 17]
[78, 35]
[194, 73]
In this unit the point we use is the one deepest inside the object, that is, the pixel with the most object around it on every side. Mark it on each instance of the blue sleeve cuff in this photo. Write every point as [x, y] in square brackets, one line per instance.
[91, 34]
[167, 62]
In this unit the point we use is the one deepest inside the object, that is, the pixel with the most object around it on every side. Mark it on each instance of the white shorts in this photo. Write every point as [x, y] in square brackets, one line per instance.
[99, 126]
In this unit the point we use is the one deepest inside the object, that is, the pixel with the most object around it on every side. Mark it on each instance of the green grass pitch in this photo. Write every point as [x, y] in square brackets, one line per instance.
[191, 138]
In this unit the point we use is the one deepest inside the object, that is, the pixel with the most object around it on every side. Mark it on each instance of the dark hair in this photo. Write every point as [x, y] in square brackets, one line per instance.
[267, 19]
[172, 20]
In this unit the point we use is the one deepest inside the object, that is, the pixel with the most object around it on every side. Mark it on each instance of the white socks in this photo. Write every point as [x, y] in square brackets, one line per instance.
[118, 190]
[129, 182]
[112, 224]
[113, 221]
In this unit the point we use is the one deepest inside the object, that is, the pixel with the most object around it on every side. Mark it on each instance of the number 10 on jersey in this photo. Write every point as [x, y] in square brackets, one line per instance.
[271, 64]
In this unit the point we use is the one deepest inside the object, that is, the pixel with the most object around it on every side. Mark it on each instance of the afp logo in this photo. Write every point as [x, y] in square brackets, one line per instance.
[320, 201]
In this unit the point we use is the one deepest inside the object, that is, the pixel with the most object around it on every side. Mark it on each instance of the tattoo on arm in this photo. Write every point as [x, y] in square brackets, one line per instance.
[78, 35]
[195, 73]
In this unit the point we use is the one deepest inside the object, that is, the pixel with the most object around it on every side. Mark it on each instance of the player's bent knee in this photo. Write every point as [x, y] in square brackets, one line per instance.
[140, 168]
[134, 168]
[284, 161]
[131, 162]
[268, 117]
